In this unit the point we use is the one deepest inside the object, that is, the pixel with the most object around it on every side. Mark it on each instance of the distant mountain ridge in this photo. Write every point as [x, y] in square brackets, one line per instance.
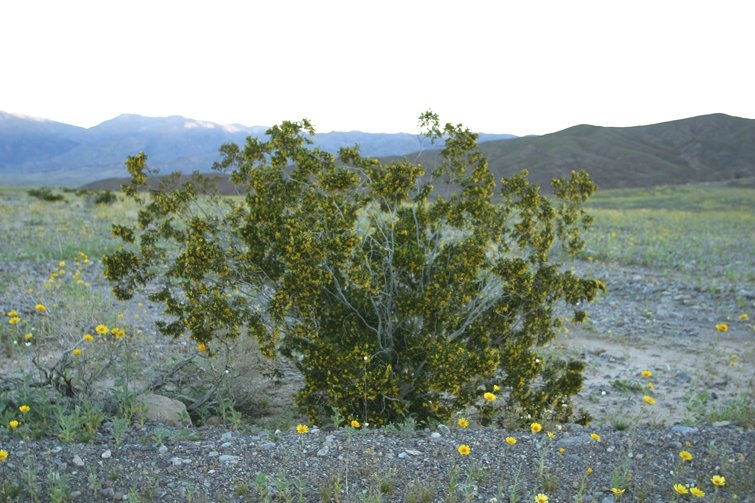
[707, 148]
[43, 152]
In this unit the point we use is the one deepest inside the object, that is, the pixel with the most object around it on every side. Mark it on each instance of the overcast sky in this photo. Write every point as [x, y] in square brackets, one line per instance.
[519, 67]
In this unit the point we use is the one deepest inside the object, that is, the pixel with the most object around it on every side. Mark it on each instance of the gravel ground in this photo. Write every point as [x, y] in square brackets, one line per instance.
[215, 464]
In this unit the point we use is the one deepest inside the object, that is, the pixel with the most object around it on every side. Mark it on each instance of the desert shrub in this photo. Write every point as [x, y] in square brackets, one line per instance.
[393, 300]
[45, 194]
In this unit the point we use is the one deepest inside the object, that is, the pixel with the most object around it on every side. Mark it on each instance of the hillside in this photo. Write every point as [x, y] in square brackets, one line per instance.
[707, 148]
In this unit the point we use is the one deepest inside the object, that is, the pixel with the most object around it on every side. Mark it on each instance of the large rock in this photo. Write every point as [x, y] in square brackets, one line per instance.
[162, 409]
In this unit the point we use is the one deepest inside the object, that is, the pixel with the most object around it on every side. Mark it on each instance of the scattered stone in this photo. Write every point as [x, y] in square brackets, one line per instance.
[77, 460]
[106, 454]
[227, 458]
[684, 430]
[443, 429]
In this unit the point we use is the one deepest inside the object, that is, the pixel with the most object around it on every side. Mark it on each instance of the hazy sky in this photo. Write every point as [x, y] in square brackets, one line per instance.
[520, 67]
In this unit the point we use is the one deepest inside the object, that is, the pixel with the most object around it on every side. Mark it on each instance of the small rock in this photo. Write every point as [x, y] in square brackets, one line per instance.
[106, 455]
[162, 449]
[267, 446]
[77, 460]
[227, 458]
[684, 430]
[225, 437]
[162, 409]
[443, 429]
[225, 445]
[413, 452]
[435, 434]
[176, 461]
[324, 451]
[719, 424]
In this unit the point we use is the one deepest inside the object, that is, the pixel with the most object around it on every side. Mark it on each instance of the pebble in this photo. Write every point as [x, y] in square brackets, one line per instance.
[106, 455]
[684, 430]
[227, 458]
[77, 460]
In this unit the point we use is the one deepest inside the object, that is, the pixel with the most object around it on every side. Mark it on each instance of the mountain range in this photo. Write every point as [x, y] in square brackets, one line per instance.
[39, 151]
[706, 148]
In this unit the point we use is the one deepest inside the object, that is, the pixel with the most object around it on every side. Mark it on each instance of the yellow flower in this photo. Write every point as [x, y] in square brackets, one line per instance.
[462, 422]
[681, 489]
[718, 480]
[13, 424]
[12, 313]
[302, 428]
[649, 400]
[496, 387]
[646, 373]
[490, 397]
[355, 423]
[3, 454]
[536, 427]
[28, 337]
[561, 450]
[14, 320]
[686, 455]
[201, 347]
[76, 352]
[40, 308]
[696, 492]
[589, 470]
[119, 333]
[88, 337]
[595, 437]
[550, 434]
[744, 316]
[541, 498]
[616, 490]
[101, 329]
[722, 327]
[62, 263]
[510, 440]
[651, 386]
[24, 409]
[464, 450]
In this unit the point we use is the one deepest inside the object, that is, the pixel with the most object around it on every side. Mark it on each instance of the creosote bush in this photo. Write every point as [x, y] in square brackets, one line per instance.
[394, 301]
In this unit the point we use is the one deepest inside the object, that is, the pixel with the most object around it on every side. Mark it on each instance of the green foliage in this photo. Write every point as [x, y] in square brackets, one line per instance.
[393, 300]
[45, 194]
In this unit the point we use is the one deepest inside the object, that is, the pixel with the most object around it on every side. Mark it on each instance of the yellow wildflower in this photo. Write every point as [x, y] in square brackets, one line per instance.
[744, 316]
[88, 337]
[464, 450]
[646, 373]
[462, 422]
[541, 498]
[651, 386]
[76, 352]
[589, 470]
[355, 423]
[686, 455]
[24, 409]
[490, 397]
[12, 313]
[681, 489]
[595, 437]
[28, 337]
[722, 327]
[302, 428]
[510, 440]
[13, 424]
[40, 308]
[718, 480]
[101, 329]
[3, 454]
[536, 427]
[201, 347]
[617, 491]
[649, 400]
[14, 320]
[496, 387]
[696, 492]
[550, 434]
